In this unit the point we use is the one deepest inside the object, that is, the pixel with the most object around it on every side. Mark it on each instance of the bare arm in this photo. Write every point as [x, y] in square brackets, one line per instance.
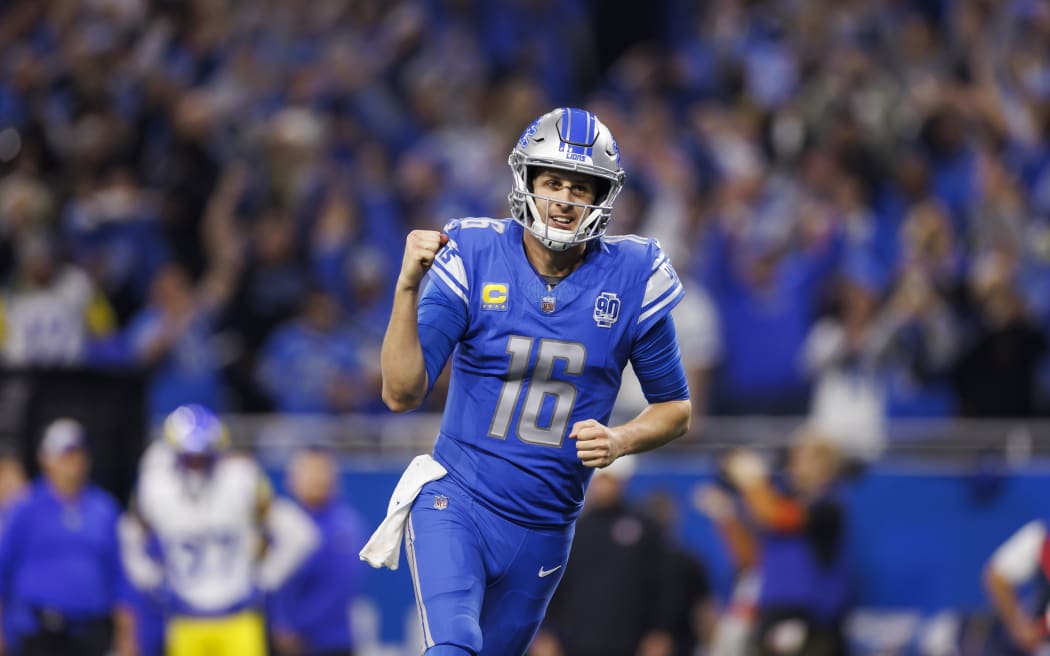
[659, 423]
[1023, 630]
[124, 643]
[401, 358]
[712, 501]
[223, 242]
[769, 508]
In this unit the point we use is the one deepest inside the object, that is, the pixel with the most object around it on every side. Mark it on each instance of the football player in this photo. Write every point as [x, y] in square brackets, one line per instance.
[540, 312]
[222, 537]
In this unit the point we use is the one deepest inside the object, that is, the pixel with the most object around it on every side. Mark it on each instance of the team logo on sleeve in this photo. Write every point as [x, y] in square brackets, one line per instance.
[606, 309]
[494, 296]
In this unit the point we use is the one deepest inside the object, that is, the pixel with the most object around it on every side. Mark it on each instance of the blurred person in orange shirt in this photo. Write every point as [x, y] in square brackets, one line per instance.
[800, 525]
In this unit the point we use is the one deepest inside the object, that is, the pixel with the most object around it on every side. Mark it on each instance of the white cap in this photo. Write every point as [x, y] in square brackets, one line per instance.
[62, 435]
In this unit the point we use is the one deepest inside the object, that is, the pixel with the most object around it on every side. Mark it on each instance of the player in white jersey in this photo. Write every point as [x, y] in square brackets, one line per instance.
[211, 537]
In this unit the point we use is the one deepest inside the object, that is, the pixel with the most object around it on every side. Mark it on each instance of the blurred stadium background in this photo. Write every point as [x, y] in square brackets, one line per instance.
[205, 201]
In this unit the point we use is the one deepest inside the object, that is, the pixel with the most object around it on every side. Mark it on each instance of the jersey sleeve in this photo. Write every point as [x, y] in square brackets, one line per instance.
[442, 321]
[449, 270]
[443, 306]
[1017, 559]
[663, 290]
[657, 362]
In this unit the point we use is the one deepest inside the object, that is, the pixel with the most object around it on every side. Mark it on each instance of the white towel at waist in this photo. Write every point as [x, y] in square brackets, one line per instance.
[384, 547]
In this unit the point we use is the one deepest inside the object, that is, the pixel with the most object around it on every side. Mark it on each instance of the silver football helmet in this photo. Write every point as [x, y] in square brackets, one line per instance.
[574, 140]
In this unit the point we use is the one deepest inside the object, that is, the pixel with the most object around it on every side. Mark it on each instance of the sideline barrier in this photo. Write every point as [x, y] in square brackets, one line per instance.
[923, 518]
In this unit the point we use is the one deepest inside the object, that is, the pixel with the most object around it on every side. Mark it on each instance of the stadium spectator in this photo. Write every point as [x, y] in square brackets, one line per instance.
[268, 291]
[173, 336]
[736, 620]
[766, 295]
[690, 599]
[996, 372]
[919, 334]
[804, 590]
[1019, 561]
[795, 125]
[61, 582]
[309, 613]
[845, 356]
[53, 313]
[113, 231]
[318, 351]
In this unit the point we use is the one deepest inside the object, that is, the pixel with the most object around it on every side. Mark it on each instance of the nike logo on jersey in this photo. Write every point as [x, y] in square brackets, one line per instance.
[548, 572]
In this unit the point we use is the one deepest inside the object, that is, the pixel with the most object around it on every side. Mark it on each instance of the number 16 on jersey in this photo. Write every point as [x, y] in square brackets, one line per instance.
[542, 390]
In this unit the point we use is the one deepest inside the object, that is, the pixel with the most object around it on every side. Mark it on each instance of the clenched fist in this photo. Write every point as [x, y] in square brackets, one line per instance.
[421, 247]
[597, 445]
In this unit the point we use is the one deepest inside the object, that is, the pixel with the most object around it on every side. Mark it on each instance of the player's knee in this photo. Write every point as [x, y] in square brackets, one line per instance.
[462, 635]
[448, 650]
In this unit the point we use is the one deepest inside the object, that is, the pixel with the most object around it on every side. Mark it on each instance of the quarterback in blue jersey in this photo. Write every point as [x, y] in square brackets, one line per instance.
[540, 313]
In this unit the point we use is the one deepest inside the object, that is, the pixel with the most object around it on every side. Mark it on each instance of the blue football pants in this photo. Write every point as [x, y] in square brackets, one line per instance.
[482, 583]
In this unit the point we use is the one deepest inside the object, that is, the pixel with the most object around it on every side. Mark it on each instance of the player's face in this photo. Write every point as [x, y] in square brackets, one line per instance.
[198, 462]
[562, 196]
[67, 471]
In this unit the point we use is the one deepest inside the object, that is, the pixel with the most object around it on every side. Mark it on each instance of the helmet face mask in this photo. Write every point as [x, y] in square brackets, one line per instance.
[567, 139]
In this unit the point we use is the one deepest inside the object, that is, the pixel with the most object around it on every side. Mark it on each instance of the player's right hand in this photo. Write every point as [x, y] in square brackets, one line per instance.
[421, 247]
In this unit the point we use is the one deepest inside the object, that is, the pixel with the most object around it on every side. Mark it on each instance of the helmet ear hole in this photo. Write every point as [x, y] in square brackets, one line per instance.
[531, 173]
[602, 191]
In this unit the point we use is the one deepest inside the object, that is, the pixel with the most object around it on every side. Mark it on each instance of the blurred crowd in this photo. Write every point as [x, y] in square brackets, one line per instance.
[857, 192]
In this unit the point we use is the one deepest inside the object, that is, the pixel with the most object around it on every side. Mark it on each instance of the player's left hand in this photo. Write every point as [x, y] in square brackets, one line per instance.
[597, 445]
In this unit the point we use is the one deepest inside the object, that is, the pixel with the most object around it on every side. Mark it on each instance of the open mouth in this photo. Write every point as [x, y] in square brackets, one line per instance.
[563, 221]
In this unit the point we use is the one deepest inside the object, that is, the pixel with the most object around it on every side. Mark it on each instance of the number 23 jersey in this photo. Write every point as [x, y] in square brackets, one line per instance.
[530, 360]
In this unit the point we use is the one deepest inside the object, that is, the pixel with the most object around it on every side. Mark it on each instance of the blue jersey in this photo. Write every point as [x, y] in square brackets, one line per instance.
[60, 554]
[531, 361]
[313, 602]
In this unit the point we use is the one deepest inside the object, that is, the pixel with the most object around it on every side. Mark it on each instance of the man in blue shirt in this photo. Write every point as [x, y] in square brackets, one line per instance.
[61, 580]
[543, 312]
[310, 614]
